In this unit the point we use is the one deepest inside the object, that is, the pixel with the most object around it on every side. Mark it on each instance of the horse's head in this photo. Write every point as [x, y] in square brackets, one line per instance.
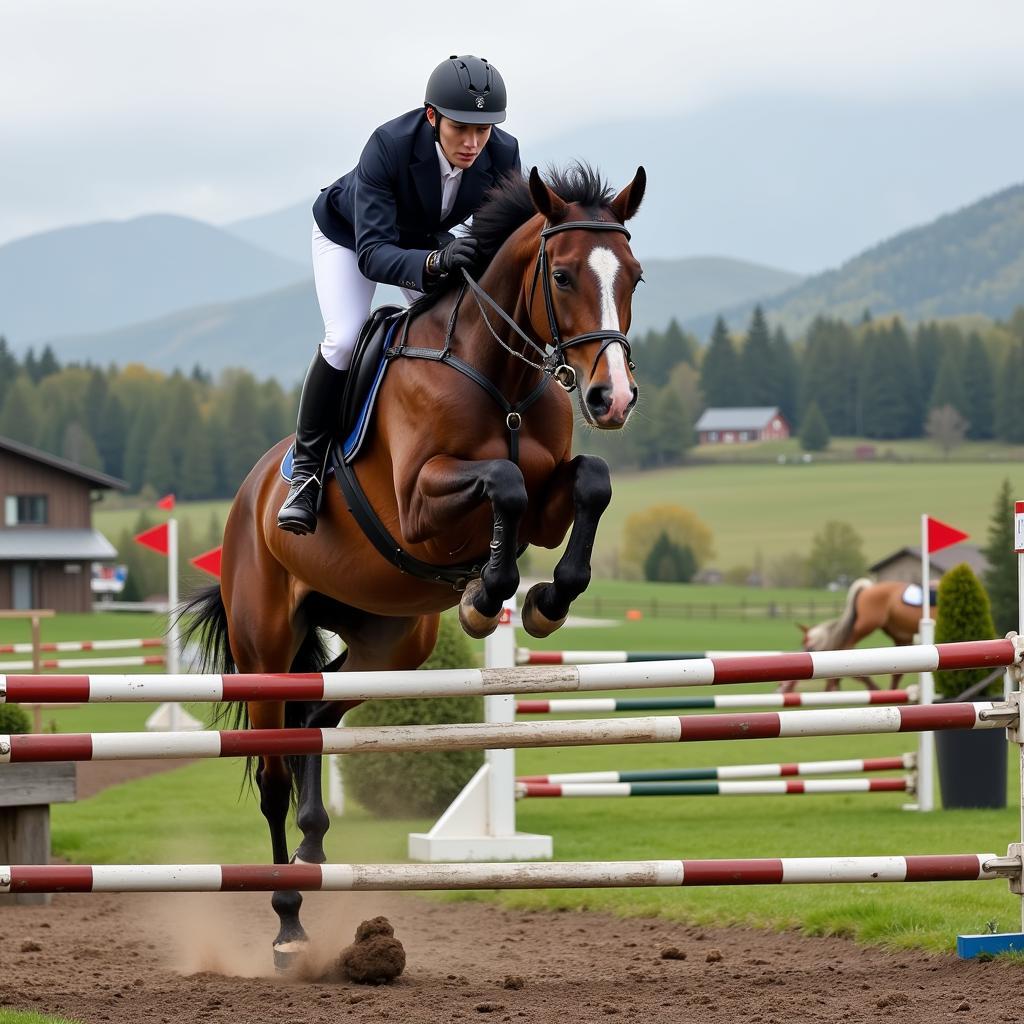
[815, 637]
[587, 277]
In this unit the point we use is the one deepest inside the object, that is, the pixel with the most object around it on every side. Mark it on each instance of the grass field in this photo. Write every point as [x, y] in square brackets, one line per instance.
[768, 511]
[214, 819]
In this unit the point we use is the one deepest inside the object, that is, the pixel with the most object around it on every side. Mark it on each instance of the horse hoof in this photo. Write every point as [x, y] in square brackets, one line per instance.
[473, 623]
[535, 622]
[288, 955]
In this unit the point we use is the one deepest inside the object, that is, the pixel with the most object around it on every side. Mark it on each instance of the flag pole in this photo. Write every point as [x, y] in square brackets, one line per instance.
[926, 635]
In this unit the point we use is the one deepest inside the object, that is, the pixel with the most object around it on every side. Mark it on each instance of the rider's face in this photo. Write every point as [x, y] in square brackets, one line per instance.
[462, 143]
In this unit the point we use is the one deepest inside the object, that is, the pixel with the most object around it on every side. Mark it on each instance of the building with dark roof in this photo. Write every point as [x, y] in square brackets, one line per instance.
[735, 426]
[905, 564]
[47, 541]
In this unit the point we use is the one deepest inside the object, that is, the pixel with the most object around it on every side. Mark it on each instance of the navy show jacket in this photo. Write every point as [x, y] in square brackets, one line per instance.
[387, 209]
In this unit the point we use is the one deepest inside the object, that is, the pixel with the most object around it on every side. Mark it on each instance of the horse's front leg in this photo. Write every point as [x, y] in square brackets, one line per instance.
[582, 489]
[450, 488]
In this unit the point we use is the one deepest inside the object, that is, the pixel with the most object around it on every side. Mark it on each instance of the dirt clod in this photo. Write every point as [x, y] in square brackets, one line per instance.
[714, 956]
[673, 953]
[31, 947]
[514, 982]
[376, 957]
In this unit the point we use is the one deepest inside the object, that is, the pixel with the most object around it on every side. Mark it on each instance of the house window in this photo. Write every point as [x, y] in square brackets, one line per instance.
[26, 510]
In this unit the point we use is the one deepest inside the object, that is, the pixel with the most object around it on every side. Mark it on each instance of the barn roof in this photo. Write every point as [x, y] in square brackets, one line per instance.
[740, 418]
[93, 476]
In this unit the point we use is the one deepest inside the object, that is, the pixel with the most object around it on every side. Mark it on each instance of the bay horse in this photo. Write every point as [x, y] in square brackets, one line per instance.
[437, 471]
[869, 606]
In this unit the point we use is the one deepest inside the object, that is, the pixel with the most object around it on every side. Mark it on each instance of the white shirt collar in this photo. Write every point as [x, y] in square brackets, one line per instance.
[447, 171]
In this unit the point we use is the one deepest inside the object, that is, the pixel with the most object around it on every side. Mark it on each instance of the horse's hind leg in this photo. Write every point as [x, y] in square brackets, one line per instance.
[375, 643]
[264, 638]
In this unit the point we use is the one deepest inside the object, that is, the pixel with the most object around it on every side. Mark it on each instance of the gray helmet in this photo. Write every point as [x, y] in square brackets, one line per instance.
[467, 89]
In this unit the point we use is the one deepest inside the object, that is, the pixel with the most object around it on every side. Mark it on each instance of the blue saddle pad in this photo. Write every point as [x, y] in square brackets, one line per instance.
[357, 435]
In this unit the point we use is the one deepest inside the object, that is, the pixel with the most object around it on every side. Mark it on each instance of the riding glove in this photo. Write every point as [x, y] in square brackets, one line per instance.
[458, 253]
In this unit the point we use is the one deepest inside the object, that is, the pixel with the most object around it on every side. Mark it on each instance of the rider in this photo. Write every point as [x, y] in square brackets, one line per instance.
[387, 221]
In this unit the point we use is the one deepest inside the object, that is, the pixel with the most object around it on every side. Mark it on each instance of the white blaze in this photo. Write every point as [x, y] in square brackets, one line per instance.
[605, 265]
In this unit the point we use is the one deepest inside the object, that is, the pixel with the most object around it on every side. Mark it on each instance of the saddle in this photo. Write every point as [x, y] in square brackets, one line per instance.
[362, 385]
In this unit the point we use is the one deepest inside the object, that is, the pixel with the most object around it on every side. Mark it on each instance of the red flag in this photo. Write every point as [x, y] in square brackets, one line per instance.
[166, 503]
[942, 535]
[208, 561]
[155, 538]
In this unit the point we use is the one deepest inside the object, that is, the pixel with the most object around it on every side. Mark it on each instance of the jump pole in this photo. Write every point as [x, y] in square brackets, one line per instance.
[756, 787]
[503, 680]
[750, 701]
[899, 762]
[507, 735]
[964, 867]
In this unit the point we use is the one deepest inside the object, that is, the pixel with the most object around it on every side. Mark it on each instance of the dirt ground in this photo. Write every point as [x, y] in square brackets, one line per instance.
[164, 959]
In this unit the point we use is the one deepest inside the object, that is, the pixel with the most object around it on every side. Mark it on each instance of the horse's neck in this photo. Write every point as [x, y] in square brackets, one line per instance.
[475, 342]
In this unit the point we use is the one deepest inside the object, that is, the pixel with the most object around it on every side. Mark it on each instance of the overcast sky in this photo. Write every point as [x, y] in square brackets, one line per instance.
[221, 109]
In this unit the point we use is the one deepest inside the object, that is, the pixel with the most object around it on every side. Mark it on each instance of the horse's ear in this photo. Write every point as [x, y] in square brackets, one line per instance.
[803, 629]
[628, 201]
[552, 206]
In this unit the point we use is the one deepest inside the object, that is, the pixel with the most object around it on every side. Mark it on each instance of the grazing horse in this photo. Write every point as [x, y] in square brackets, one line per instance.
[869, 606]
[458, 472]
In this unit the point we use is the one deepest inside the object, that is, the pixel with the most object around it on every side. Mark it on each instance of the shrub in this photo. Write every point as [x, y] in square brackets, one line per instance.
[416, 784]
[963, 613]
[681, 525]
[14, 719]
[837, 553]
[668, 562]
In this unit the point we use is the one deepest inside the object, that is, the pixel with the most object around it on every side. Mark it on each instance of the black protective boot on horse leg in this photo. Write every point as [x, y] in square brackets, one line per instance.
[319, 416]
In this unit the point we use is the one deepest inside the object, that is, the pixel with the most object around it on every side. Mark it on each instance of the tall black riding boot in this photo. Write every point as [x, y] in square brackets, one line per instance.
[319, 414]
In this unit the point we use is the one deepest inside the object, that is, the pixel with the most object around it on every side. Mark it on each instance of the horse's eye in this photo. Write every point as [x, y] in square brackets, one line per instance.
[561, 278]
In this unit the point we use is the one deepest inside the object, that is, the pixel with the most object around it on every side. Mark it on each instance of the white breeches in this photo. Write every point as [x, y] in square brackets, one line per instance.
[344, 296]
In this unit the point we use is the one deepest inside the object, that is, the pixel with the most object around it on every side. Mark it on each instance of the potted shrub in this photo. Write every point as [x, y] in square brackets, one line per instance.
[972, 763]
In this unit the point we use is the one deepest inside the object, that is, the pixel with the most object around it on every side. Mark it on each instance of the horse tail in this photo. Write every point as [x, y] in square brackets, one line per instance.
[843, 626]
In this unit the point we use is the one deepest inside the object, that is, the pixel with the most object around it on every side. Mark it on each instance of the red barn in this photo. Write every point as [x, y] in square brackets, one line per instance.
[735, 426]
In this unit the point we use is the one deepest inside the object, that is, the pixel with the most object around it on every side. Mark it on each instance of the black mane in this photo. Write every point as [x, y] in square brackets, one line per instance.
[508, 206]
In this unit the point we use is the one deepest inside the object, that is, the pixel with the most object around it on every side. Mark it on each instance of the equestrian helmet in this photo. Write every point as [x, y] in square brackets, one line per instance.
[467, 89]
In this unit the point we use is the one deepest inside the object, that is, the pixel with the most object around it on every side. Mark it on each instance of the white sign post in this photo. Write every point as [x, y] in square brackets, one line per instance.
[926, 740]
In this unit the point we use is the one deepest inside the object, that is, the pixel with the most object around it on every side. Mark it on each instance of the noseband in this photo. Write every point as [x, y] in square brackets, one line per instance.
[553, 361]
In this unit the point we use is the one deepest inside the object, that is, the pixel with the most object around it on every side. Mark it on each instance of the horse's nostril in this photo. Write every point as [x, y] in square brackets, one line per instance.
[636, 394]
[599, 398]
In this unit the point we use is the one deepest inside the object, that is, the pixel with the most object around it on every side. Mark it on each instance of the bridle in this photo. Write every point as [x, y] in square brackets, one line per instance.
[552, 356]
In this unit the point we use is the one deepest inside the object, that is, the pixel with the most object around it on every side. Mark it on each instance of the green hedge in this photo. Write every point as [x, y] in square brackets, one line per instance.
[405, 785]
[14, 718]
[963, 613]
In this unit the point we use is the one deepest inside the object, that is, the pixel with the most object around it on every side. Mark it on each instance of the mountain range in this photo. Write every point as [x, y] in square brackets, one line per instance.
[967, 262]
[93, 277]
[173, 292]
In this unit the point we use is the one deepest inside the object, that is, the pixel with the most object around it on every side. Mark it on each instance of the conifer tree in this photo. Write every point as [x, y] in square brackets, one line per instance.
[787, 374]
[1001, 575]
[757, 364]
[679, 347]
[828, 375]
[672, 434]
[979, 389]
[110, 435]
[720, 370]
[8, 369]
[814, 436]
[948, 388]
[48, 364]
[1009, 424]
[18, 419]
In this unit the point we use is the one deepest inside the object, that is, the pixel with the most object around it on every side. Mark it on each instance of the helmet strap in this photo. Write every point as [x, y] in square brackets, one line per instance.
[437, 123]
